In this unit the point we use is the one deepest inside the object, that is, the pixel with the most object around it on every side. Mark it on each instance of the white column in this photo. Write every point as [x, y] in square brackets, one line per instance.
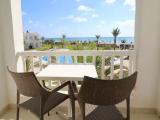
[11, 36]
[3, 83]
[158, 56]
[148, 52]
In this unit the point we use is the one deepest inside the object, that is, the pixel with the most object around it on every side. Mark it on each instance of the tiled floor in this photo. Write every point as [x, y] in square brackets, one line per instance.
[25, 115]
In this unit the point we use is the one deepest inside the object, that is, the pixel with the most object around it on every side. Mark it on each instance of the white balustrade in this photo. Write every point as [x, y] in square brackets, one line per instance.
[121, 58]
[121, 67]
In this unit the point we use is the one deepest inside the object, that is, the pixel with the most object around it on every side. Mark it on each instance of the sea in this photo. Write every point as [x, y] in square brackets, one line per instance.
[101, 39]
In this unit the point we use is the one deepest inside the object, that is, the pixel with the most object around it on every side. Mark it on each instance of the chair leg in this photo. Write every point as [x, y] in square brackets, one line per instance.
[42, 117]
[72, 101]
[73, 109]
[17, 117]
[128, 108]
[18, 99]
[48, 114]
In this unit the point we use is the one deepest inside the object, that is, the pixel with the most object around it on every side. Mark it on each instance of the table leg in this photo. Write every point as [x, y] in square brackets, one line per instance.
[70, 106]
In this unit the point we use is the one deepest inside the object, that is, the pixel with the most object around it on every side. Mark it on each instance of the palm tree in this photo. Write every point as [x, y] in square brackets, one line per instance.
[97, 37]
[63, 38]
[115, 33]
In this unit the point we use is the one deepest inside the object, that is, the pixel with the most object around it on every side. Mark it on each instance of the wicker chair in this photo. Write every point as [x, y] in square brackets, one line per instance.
[42, 100]
[105, 94]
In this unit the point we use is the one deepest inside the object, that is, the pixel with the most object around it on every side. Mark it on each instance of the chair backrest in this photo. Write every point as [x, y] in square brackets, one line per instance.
[106, 92]
[27, 84]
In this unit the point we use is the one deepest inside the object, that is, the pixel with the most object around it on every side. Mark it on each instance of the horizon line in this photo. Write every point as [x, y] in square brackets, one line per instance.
[89, 37]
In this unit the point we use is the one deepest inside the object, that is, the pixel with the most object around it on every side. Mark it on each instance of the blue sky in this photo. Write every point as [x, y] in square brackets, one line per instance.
[78, 18]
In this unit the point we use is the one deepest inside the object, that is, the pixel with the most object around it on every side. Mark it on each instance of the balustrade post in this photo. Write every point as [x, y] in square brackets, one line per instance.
[121, 67]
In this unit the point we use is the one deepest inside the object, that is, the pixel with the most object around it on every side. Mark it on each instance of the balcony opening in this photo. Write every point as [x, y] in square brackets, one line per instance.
[78, 24]
[58, 27]
[102, 25]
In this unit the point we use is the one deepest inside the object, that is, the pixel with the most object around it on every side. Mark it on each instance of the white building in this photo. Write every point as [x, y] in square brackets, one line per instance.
[32, 40]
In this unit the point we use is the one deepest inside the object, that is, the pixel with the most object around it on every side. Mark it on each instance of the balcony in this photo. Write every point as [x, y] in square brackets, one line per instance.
[145, 59]
[125, 59]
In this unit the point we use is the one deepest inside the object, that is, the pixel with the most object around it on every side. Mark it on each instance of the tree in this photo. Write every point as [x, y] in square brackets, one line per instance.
[97, 37]
[63, 38]
[123, 41]
[27, 31]
[115, 33]
[122, 46]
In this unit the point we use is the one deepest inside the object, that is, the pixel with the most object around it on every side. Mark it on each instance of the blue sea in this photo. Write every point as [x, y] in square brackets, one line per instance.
[102, 39]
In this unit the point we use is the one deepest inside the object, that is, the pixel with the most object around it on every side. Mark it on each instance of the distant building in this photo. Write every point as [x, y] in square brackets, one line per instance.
[32, 40]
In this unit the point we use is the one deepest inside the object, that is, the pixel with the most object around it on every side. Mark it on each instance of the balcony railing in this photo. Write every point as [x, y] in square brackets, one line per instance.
[109, 63]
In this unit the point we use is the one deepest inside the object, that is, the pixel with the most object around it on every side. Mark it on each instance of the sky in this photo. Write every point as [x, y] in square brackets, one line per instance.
[78, 18]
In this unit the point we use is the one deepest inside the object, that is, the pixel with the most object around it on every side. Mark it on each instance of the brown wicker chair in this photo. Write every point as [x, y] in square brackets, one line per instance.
[42, 100]
[105, 94]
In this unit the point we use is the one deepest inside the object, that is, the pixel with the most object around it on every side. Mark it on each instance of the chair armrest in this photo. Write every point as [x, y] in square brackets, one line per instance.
[60, 87]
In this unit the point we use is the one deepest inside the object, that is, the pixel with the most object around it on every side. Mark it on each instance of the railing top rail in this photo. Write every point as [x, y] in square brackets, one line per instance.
[77, 52]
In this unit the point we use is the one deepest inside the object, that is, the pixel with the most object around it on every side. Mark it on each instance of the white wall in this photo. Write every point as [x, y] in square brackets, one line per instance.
[11, 39]
[3, 85]
[158, 55]
[148, 52]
